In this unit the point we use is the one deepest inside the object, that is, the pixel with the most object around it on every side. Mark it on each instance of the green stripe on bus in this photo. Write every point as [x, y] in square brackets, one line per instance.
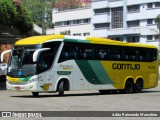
[88, 72]
[94, 72]
[76, 40]
[24, 79]
[100, 72]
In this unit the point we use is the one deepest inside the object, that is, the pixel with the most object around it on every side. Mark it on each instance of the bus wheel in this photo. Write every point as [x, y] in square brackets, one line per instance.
[35, 94]
[129, 87]
[61, 88]
[138, 86]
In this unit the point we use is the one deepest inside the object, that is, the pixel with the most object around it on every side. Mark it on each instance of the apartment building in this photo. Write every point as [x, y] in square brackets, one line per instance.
[126, 20]
[73, 18]
[123, 20]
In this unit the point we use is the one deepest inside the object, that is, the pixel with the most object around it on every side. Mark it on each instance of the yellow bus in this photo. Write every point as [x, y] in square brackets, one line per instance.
[58, 63]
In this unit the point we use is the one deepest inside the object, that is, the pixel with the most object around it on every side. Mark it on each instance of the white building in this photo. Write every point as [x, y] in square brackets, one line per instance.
[75, 20]
[126, 20]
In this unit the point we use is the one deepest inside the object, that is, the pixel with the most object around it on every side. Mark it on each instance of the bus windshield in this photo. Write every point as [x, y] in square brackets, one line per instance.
[21, 61]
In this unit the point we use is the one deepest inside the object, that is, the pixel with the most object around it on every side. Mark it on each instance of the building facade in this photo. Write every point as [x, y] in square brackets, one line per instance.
[123, 20]
[126, 20]
[73, 19]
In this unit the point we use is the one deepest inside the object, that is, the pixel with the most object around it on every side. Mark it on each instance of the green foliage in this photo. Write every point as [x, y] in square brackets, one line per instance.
[66, 32]
[41, 11]
[8, 12]
[15, 16]
[158, 21]
[24, 22]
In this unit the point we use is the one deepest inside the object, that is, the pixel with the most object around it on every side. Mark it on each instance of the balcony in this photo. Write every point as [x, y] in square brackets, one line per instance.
[96, 4]
[101, 18]
[134, 30]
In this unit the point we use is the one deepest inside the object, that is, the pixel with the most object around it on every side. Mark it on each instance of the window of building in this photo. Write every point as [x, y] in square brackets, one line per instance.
[58, 23]
[133, 39]
[101, 25]
[77, 21]
[156, 37]
[149, 37]
[133, 23]
[150, 5]
[77, 34]
[86, 34]
[102, 10]
[149, 21]
[87, 20]
[67, 22]
[133, 8]
[157, 4]
[117, 17]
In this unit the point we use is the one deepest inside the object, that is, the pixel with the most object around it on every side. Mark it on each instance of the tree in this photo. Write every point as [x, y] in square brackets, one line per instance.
[41, 11]
[158, 22]
[66, 32]
[158, 25]
[12, 14]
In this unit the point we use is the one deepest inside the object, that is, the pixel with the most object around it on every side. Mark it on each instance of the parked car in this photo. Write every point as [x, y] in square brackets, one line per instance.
[3, 68]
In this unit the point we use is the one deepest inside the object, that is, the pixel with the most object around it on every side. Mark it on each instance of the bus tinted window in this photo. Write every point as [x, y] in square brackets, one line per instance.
[115, 53]
[69, 52]
[46, 57]
[85, 51]
[102, 53]
[152, 55]
[130, 54]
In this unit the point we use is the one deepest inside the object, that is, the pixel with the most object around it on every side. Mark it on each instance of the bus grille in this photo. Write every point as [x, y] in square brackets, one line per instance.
[18, 83]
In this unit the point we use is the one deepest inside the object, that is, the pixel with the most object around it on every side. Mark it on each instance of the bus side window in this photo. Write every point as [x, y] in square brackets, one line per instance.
[143, 55]
[152, 55]
[130, 54]
[68, 52]
[115, 53]
[85, 51]
[101, 53]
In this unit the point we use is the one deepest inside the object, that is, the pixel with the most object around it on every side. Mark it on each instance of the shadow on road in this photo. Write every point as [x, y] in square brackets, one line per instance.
[3, 86]
[3, 82]
[83, 94]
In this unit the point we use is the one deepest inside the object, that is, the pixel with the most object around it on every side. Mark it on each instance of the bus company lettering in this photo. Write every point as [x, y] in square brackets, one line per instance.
[122, 66]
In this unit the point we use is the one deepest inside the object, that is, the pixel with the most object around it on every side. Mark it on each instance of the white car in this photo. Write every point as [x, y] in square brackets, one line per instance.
[3, 68]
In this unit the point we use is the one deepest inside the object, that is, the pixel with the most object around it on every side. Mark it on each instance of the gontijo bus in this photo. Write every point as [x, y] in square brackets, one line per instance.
[58, 63]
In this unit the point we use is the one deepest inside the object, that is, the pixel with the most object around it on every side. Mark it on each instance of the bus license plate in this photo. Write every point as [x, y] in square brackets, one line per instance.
[17, 88]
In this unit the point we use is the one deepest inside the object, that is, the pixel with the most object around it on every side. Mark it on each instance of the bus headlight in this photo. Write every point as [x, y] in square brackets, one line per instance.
[33, 80]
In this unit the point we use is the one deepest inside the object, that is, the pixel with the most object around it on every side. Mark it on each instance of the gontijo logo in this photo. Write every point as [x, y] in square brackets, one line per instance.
[122, 66]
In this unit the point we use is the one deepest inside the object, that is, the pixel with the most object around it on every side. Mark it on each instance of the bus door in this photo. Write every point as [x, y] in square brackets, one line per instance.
[44, 69]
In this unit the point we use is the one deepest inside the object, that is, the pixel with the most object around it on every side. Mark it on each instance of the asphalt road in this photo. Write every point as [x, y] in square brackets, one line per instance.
[148, 100]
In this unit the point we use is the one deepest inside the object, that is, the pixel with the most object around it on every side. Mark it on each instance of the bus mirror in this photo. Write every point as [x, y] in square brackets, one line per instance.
[36, 53]
[3, 53]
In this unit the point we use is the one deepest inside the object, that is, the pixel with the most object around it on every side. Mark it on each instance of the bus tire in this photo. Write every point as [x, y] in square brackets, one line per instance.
[138, 86]
[129, 85]
[35, 94]
[61, 88]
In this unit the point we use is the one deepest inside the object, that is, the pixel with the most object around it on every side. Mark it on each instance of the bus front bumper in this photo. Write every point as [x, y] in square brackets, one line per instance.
[26, 87]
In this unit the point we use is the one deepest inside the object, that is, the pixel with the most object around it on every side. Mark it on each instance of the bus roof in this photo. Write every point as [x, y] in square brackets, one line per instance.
[114, 42]
[38, 39]
[96, 40]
